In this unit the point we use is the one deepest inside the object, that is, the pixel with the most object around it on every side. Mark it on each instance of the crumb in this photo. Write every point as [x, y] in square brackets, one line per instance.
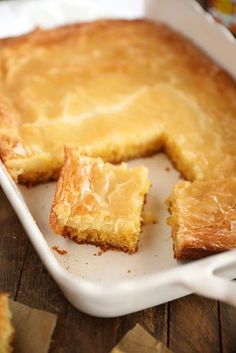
[86, 263]
[67, 268]
[167, 169]
[104, 248]
[148, 218]
[99, 253]
[59, 251]
[129, 271]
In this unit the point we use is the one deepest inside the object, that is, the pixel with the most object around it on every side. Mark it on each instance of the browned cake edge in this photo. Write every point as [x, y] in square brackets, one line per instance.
[73, 234]
[192, 249]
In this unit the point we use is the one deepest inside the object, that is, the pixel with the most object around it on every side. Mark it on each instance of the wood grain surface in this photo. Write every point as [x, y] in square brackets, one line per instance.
[188, 325]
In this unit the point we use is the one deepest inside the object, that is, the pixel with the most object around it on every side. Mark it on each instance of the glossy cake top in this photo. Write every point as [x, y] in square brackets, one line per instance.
[117, 89]
[95, 192]
[203, 216]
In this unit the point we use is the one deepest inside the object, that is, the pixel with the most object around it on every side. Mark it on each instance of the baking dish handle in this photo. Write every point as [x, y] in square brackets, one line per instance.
[202, 279]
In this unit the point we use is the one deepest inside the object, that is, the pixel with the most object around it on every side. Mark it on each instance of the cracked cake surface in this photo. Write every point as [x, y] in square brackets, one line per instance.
[203, 217]
[99, 203]
[104, 87]
[117, 89]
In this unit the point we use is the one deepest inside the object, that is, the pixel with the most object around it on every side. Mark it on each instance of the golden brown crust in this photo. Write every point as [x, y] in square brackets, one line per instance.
[203, 217]
[69, 232]
[6, 329]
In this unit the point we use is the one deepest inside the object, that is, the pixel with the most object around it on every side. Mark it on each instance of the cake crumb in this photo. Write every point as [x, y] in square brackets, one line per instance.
[129, 271]
[167, 169]
[104, 247]
[148, 218]
[59, 251]
[99, 253]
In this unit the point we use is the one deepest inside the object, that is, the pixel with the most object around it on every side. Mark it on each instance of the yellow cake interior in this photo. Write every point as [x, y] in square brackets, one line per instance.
[99, 203]
[105, 88]
[6, 329]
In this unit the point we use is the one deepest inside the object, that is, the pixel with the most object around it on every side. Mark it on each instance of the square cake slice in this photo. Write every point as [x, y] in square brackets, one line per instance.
[99, 203]
[6, 329]
[203, 217]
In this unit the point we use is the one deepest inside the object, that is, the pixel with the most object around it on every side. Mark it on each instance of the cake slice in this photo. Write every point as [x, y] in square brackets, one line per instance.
[203, 217]
[6, 329]
[99, 203]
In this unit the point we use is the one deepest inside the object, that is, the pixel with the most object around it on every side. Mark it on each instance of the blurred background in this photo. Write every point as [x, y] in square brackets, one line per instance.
[224, 11]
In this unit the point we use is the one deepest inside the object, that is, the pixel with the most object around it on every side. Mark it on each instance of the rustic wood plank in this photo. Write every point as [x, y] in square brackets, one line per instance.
[58, 334]
[101, 335]
[194, 326]
[154, 320]
[228, 328]
[87, 334]
[37, 289]
[13, 247]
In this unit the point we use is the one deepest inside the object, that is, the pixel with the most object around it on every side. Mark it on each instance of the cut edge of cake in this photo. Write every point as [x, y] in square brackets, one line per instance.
[125, 240]
[211, 224]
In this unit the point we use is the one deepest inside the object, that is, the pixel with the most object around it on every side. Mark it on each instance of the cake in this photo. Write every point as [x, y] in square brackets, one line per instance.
[103, 87]
[6, 329]
[203, 217]
[116, 89]
[99, 203]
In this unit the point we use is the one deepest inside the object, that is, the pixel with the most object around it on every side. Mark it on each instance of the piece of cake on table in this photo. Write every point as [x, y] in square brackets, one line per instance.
[203, 217]
[6, 329]
[99, 203]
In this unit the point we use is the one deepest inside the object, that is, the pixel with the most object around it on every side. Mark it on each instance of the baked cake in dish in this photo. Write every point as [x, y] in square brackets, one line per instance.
[104, 87]
[6, 329]
[117, 89]
[203, 217]
[99, 203]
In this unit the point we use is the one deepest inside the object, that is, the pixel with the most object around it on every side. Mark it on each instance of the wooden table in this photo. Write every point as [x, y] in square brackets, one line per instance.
[189, 325]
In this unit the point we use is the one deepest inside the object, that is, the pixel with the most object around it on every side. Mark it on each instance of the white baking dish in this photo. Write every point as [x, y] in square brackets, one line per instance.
[115, 283]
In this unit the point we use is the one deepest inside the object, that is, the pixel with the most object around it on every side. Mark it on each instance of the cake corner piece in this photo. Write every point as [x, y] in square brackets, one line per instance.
[99, 203]
[203, 217]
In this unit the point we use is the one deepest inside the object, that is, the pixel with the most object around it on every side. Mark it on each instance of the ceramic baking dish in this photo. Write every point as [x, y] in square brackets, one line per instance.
[112, 283]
